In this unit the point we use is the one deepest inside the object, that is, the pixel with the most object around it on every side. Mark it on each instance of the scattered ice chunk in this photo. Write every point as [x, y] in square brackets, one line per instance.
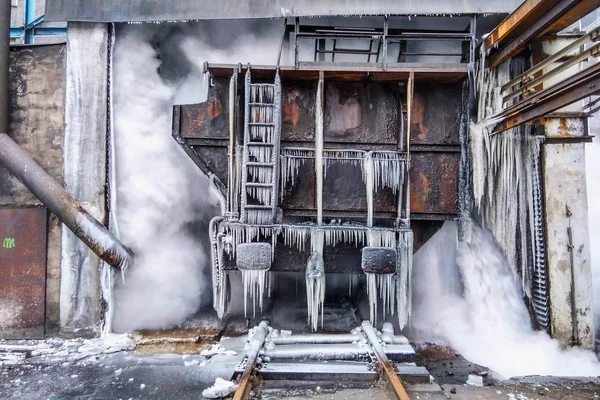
[475, 380]
[221, 388]
[217, 349]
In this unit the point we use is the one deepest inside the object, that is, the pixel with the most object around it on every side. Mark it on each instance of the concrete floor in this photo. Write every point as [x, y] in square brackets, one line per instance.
[135, 375]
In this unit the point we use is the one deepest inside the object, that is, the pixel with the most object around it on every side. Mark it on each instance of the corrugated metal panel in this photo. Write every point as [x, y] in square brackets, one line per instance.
[22, 272]
[160, 10]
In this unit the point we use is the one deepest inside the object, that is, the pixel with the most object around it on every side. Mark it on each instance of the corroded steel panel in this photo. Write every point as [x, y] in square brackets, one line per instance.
[357, 115]
[436, 113]
[434, 182]
[22, 272]
[358, 112]
[211, 118]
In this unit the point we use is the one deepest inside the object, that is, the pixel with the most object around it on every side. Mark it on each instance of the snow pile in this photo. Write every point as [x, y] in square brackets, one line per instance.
[60, 350]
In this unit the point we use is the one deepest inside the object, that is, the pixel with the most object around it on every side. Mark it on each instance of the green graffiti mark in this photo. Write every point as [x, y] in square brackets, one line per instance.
[9, 243]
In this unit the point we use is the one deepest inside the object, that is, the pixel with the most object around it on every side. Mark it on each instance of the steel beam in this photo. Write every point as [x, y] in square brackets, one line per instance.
[572, 89]
[130, 10]
[562, 14]
[525, 14]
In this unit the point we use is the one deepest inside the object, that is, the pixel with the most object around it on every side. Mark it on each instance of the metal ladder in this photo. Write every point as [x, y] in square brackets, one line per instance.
[260, 168]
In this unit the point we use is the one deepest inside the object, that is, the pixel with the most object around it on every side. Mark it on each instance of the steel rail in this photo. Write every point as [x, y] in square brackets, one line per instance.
[388, 369]
[245, 385]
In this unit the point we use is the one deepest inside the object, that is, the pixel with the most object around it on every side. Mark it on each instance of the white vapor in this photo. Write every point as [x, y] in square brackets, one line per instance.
[161, 195]
[163, 200]
[466, 297]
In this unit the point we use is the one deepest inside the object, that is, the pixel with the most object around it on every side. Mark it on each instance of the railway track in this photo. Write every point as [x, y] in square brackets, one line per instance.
[363, 357]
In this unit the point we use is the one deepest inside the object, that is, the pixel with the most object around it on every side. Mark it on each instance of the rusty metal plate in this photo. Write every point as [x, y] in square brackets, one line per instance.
[211, 118]
[23, 239]
[358, 112]
[434, 183]
[298, 111]
[436, 113]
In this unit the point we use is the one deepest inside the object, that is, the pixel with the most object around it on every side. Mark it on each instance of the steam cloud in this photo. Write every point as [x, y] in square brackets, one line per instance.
[466, 296]
[164, 202]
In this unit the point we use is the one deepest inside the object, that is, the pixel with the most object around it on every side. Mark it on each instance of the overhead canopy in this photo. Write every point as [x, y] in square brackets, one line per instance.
[177, 10]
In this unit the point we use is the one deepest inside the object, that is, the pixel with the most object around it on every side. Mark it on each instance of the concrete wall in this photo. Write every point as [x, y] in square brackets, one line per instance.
[566, 207]
[37, 119]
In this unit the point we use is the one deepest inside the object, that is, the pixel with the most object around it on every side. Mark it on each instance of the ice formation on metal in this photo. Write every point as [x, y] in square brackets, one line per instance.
[346, 235]
[381, 286]
[315, 288]
[404, 277]
[295, 236]
[506, 172]
[255, 282]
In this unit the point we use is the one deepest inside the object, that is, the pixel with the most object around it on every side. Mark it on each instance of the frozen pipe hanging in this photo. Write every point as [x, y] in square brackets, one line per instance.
[99, 239]
[319, 149]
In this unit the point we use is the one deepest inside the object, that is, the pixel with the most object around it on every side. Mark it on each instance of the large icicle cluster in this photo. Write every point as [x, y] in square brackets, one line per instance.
[506, 179]
[255, 282]
[315, 279]
[291, 161]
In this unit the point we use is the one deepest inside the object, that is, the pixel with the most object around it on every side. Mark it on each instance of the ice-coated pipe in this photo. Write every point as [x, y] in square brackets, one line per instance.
[316, 338]
[318, 352]
[95, 235]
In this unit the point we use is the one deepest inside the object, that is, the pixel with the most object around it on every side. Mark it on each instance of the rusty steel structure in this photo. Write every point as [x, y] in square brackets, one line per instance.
[526, 97]
[300, 151]
[23, 241]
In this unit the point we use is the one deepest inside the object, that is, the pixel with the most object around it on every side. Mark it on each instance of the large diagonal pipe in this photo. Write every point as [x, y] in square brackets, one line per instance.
[99, 239]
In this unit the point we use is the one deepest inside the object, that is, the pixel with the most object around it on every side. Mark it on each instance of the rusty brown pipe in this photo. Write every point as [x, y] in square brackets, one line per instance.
[68, 210]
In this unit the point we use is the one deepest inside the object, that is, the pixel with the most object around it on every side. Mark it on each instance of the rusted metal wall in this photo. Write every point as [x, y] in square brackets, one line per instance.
[37, 96]
[357, 115]
[22, 272]
[360, 115]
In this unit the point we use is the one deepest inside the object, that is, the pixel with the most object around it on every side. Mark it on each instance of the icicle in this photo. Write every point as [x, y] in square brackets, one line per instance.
[381, 286]
[254, 283]
[295, 236]
[259, 216]
[315, 289]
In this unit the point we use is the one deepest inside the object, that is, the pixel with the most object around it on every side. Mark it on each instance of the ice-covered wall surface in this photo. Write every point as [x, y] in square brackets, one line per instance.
[84, 171]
